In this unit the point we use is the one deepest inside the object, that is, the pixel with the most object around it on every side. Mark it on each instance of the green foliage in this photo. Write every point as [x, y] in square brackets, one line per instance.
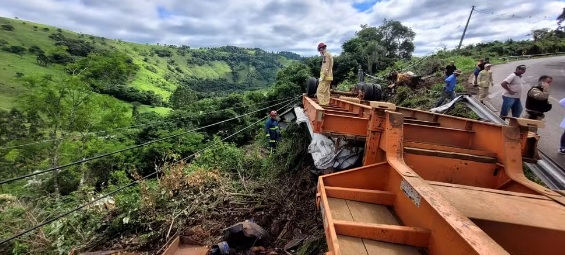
[215, 71]
[105, 68]
[8, 27]
[372, 48]
[15, 49]
[75, 47]
[182, 97]
[290, 153]
[222, 156]
[59, 55]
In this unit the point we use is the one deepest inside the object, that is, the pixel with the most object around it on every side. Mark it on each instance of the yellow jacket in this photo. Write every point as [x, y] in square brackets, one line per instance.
[484, 79]
[326, 72]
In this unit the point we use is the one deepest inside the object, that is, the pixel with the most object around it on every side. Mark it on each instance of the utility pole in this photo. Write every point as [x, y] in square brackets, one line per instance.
[465, 30]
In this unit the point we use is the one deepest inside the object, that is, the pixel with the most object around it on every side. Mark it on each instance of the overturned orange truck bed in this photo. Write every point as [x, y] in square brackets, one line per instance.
[432, 184]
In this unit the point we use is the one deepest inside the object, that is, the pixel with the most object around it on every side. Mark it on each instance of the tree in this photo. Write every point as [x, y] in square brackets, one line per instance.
[376, 48]
[372, 53]
[15, 49]
[42, 59]
[397, 39]
[560, 19]
[105, 68]
[63, 106]
[8, 27]
[182, 97]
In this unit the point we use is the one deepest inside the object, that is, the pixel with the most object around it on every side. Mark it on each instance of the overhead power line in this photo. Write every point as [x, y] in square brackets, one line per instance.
[135, 126]
[132, 147]
[445, 36]
[114, 191]
[511, 16]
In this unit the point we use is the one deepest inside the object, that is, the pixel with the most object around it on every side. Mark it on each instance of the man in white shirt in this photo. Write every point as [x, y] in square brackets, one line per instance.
[512, 92]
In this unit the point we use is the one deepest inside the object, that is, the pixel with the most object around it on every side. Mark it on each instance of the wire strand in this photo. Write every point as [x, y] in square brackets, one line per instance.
[134, 126]
[131, 147]
[510, 16]
[114, 191]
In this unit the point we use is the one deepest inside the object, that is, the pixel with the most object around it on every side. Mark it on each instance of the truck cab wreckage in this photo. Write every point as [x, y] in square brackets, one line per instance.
[428, 183]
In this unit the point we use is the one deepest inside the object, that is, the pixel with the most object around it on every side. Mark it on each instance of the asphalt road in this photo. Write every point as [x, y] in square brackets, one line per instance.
[554, 67]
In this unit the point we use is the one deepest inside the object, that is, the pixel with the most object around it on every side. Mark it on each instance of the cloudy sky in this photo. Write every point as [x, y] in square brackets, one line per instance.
[290, 25]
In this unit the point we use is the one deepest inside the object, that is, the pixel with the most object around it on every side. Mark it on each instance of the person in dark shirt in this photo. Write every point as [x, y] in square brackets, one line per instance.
[450, 69]
[478, 68]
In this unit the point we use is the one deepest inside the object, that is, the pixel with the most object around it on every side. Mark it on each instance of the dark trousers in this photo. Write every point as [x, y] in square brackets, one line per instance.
[563, 141]
[272, 146]
[445, 95]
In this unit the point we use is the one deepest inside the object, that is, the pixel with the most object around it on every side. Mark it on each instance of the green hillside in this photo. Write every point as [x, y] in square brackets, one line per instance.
[130, 72]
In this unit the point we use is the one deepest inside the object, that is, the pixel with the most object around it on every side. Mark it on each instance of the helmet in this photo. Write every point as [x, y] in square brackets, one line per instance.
[321, 45]
[273, 113]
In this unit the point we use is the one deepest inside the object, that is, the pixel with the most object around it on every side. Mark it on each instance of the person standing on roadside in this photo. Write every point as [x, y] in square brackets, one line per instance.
[537, 100]
[485, 81]
[512, 86]
[449, 89]
[449, 69]
[478, 68]
[326, 75]
[562, 145]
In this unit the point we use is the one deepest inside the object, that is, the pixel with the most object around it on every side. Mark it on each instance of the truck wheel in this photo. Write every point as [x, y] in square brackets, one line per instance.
[377, 93]
[368, 95]
[311, 87]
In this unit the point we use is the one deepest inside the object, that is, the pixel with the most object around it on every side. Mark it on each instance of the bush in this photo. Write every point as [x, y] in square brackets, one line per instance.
[163, 52]
[35, 50]
[150, 68]
[46, 29]
[8, 27]
[15, 49]
[131, 94]
[74, 47]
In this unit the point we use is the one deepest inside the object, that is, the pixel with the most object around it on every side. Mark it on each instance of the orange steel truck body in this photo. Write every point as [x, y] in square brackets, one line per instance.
[432, 184]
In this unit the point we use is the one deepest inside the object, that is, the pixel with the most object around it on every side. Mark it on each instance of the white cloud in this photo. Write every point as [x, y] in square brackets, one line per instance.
[291, 25]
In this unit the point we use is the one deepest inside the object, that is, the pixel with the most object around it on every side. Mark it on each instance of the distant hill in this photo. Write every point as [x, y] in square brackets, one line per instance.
[131, 72]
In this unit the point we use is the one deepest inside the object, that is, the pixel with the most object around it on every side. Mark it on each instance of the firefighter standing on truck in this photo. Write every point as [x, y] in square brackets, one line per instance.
[272, 130]
[326, 76]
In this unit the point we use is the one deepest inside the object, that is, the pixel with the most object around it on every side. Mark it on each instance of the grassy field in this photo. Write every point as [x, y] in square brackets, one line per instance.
[157, 74]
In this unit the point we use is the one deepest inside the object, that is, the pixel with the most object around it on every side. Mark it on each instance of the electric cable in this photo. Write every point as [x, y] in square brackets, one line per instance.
[134, 126]
[131, 147]
[114, 191]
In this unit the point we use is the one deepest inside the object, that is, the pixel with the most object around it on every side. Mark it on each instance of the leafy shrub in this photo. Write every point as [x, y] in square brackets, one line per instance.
[35, 50]
[150, 68]
[8, 27]
[15, 49]
[163, 52]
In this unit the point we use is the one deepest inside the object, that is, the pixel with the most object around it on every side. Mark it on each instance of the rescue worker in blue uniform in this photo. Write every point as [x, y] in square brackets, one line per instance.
[272, 130]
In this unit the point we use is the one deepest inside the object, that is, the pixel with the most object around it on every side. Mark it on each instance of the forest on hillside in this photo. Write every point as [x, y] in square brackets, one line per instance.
[145, 177]
[134, 73]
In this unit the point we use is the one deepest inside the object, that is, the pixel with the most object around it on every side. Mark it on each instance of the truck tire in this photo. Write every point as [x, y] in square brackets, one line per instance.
[311, 87]
[368, 95]
[377, 93]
